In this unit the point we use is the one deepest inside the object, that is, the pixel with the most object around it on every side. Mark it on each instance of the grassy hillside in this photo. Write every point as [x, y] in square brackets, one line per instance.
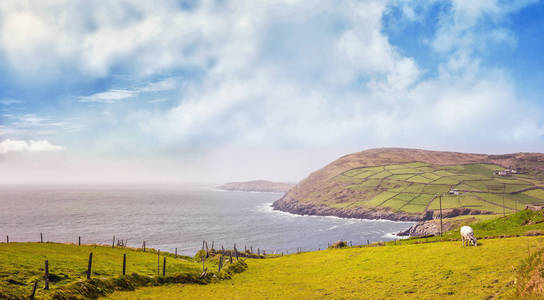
[21, 264]
[409, 269]
[425, 271]
[417, 268]
[409, 189]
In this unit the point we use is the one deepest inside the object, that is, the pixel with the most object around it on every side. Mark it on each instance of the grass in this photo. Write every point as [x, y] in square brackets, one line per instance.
[408, 271]
[21, 264]
[415, 268]
[378, 186]
[517, 224]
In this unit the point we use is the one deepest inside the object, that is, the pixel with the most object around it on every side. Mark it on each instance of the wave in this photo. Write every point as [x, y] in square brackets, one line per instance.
[267, 207]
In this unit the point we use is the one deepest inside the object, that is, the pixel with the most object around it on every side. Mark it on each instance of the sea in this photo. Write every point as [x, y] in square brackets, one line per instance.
[170, 217]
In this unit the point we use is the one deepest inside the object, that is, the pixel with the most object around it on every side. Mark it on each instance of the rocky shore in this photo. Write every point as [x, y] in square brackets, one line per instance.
[298, 208]
[428, 223]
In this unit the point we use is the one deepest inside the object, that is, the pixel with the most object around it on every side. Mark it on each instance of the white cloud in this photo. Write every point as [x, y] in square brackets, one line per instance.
[285, 78]
[115, 95]
[8, 145]
[109, 96]
[10, 101]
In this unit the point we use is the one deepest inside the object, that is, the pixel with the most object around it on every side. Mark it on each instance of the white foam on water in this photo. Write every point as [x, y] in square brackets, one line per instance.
[394, 236]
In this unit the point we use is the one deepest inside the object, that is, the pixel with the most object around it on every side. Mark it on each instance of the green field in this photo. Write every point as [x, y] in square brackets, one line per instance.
[416, 268]
[412, 188]
[413, 271]
[21, 264]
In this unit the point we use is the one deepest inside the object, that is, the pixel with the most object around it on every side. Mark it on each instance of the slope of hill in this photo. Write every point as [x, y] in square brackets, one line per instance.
[257, 186]
[417, 268]
[22, 264]
[402, 184]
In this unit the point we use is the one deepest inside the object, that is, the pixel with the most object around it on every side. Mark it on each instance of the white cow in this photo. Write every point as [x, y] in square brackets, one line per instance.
[467, 235]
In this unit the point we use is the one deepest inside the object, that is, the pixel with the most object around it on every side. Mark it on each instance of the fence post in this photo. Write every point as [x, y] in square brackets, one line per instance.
[124, 264]
[46, 277]
[176, 253]
[89, 267]
[113, 242]
[158, 262]
[79, 240]
[41, 237]
[367, 242]
[143, 246]
[34, 290]
[164, 266]
[7, 239]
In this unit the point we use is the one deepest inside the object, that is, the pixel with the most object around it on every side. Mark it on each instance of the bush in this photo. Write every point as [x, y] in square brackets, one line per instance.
[200, 254]
[339, 244]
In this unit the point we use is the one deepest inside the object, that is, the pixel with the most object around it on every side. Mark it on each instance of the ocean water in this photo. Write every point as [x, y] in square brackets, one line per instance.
[170, 216]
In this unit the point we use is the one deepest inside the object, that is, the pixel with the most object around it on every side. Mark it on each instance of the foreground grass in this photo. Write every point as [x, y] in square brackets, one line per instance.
[21, 264]
[424, 271]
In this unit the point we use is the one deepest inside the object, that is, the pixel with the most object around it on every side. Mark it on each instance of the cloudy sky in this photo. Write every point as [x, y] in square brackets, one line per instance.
[224, 90]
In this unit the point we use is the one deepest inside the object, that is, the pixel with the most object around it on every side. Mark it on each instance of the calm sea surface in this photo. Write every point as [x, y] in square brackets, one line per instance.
[169, 217]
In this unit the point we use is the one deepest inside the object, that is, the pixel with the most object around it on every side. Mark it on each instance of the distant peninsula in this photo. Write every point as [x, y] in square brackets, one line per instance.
[413, 185]
[257, 186]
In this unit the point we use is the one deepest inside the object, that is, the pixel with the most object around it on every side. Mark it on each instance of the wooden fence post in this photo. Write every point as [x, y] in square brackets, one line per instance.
[158, 262]
[7, 239]
[124, 264]
[230, 254]
[143, 246]
[41, 237]
[220, 263]
[164, 266]
[113, 242]
[89, 267]
[34, 290]
[79, 240]
[46, 276]
[176, 253]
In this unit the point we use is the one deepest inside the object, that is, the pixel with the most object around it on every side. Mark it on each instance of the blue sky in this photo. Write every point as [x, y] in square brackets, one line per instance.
[234, 90]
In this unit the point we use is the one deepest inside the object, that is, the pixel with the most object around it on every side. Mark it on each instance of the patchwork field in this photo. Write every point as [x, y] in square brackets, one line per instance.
[413, 188]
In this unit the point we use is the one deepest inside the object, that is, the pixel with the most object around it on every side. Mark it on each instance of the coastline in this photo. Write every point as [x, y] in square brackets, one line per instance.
[358, 213]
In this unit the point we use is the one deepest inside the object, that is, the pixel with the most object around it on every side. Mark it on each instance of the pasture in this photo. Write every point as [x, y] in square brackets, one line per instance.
[442, 270]
[413, 188]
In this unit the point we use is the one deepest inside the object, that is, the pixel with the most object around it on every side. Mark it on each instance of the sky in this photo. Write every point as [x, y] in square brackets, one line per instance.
[218, 90]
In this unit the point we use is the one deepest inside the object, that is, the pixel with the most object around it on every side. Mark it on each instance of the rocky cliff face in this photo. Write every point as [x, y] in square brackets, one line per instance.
[301, 208]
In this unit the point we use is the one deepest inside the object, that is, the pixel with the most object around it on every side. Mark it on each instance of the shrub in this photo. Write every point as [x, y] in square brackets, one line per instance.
[339, 244]
[200, 254]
